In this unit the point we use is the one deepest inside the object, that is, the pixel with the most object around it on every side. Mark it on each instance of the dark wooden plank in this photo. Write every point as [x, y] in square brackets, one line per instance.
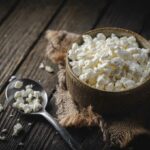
[29, 68]
[50, 140]
[146, 27]
[126, 14]
[6, 7]
[93, 140]
[21, 31]
[79, 16]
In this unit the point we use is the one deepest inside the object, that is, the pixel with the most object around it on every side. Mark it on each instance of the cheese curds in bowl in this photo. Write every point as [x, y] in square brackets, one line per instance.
[109, 69]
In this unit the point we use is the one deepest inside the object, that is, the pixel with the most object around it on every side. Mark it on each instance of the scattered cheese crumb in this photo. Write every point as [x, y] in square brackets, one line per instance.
[17, 129]
[4, 131]
[46, 67]
[2, 138]
[49, 69]
[18, 84]
[1, 108]
[29, 124]
[11, 115]
[21, 144]
[41, 66]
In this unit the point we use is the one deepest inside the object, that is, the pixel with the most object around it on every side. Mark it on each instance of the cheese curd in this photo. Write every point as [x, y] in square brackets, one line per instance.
[18, 84]
[49, 69]
[27, 100]
[46, 67]
[17, 129]
[4, 131]
[1, 108]
[110, 63]
[2, 138]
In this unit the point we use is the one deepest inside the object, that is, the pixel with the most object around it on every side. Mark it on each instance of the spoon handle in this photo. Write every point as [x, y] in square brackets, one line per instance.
[62, 131]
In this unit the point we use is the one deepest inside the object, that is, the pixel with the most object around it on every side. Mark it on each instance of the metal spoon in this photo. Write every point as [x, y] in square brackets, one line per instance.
[10, 90]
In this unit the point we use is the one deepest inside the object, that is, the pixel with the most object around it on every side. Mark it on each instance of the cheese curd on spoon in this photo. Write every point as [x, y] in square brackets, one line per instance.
[110, 63]
[27, 100]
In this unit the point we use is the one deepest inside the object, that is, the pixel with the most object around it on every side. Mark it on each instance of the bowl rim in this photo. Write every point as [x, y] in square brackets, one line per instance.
[138, 37]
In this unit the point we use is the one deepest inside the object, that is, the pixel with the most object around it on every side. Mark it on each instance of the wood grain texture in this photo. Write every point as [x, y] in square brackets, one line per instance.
[20, 31]
[145, 31]
[79, 16]
[6, 8]
[125, 14]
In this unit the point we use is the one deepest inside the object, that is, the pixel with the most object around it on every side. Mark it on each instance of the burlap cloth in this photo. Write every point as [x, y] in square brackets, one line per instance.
[117, 131]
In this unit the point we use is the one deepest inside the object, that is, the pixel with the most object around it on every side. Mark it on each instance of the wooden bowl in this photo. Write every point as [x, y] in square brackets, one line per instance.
[105, 102]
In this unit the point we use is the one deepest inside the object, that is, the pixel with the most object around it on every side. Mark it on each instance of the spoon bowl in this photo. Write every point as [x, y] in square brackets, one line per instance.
[10, 91]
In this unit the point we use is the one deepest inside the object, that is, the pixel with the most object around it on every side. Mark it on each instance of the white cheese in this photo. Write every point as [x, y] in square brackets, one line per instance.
[11, 115]
[29, 124]
[23, 93]
[27, 108]
[109, 87]
[28, 100]
[4, 131]
[18, 84]
[41, 66]
[49, 69]
[21, 144]
[17, 94]
[30, 96]
[36, 94]
[2, 138]
[1, 108]
[105, 63]
[17, 129]
[36, 106]
[46, 67]
[29, 91]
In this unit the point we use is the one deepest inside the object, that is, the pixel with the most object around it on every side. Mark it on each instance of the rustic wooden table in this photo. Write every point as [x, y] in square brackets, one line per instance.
[22, 27]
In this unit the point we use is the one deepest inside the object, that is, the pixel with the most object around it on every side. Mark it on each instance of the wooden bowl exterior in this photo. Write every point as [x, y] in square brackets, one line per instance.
[104, 102]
